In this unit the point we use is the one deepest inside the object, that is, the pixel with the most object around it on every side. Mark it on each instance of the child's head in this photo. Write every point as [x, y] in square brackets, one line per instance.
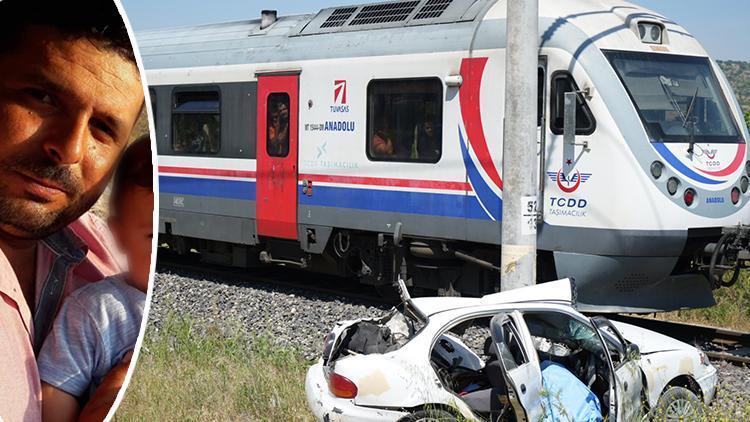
[131, 210]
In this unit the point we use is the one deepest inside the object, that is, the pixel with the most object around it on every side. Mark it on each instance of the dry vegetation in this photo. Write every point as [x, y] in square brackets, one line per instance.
[738, 74]
[192, 374]
[732, 308]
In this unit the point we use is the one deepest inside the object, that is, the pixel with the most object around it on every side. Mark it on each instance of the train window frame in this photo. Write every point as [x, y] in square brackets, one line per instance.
[154, 100]
[558, 129]
[195, 89]
[439, 118]
[541, 75]
[268, 118]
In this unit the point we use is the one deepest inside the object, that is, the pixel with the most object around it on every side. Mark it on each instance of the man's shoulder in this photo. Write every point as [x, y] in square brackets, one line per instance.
[92, 230]
[102, 252]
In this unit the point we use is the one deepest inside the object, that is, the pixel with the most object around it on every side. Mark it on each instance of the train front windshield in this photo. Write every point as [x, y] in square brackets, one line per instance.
[678, 98]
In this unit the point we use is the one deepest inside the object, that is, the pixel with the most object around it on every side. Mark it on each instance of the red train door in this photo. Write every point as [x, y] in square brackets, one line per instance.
[276, 191]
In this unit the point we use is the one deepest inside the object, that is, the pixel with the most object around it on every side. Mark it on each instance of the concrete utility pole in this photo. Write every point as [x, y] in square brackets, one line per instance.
[520, 162]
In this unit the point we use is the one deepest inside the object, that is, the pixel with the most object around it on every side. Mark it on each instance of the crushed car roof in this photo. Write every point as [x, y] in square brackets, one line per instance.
[554, 291]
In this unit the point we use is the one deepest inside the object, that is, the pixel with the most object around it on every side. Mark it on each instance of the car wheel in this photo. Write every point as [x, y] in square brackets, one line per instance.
[431, 415]
[678, 404]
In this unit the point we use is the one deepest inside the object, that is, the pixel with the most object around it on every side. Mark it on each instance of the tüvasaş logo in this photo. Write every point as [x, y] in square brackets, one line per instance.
[339, 92]
[339, 97]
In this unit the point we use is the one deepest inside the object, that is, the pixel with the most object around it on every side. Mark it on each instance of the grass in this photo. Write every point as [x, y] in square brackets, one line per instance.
[732, 308]
[186, 373]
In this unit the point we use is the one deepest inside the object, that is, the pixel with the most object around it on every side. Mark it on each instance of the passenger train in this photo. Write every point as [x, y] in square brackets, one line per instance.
[366, 141]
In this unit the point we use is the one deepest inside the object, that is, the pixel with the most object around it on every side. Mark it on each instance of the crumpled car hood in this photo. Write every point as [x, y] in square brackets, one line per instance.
[649, 341]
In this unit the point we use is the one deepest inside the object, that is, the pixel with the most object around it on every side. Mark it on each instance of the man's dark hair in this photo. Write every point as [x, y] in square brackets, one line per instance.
[95, 20]
[135, 170]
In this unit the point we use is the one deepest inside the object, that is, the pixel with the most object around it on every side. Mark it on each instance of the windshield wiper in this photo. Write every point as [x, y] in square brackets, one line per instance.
[690, 121]
[672, 100]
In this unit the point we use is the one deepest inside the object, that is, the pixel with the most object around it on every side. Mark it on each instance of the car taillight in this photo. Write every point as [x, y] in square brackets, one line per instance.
[689, 197]
[340, 386]
[735, 195]
[328, 344]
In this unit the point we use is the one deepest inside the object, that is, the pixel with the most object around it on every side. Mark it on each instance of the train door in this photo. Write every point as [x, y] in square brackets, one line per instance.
[276, 191]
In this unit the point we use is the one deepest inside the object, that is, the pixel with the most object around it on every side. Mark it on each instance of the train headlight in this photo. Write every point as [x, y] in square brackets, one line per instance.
[656, 169]
[651, 33]
[672, 185]
[689, 197]
[747, 168]
[735, 195]
[744, 184]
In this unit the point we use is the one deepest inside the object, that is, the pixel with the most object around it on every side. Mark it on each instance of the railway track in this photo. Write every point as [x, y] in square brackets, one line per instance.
[271, 275]
[717, 343]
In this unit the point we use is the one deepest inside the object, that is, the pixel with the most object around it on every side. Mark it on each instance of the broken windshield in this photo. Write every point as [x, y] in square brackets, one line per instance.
[678, 98]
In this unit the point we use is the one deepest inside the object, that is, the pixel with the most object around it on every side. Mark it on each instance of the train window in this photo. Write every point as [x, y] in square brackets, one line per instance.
[404, 120]
[196, 122]
[563, 82]
[277, 125]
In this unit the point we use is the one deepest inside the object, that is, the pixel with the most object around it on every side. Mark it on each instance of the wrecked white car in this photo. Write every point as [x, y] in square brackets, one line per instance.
[526, 354]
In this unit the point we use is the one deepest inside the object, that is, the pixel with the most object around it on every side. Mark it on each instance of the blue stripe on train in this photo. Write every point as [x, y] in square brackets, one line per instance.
[217, 188]
[435, 204]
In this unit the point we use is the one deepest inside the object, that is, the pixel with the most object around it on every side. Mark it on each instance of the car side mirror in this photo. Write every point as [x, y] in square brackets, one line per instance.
[632, 352]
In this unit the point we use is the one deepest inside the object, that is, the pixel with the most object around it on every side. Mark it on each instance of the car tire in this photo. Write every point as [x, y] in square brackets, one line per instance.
[678, 404]
[431, 415]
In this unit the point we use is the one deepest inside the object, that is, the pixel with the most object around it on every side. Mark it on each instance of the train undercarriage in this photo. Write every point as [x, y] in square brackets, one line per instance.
[447, 268]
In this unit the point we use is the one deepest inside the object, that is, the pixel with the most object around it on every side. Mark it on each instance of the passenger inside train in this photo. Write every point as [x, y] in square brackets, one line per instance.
[277, 143]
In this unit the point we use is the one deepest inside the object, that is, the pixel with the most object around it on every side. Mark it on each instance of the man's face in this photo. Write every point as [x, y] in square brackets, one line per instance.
[66, 111]
[429, 129]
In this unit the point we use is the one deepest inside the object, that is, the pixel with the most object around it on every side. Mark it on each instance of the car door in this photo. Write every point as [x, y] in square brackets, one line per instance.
[627, 370]
[520, 365]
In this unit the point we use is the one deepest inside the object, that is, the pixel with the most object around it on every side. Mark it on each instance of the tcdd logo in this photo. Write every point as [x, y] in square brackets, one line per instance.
[569, 184]
[339, 92]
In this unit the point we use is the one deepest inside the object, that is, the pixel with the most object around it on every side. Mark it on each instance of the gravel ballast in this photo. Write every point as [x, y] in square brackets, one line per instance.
[300, 319]
[294, 318]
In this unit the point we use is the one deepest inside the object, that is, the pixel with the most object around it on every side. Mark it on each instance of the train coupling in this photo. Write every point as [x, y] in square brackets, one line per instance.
[729, 255]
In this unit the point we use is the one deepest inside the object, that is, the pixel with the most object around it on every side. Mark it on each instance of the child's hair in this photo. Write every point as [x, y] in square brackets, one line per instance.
[135, 169]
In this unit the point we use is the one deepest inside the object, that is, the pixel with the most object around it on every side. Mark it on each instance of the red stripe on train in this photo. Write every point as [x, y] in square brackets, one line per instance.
[379, 181]
[472, 71]
[352, 180]
[207, 172]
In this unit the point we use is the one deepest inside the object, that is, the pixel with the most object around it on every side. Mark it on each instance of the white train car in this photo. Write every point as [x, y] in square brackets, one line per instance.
[315, 140]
